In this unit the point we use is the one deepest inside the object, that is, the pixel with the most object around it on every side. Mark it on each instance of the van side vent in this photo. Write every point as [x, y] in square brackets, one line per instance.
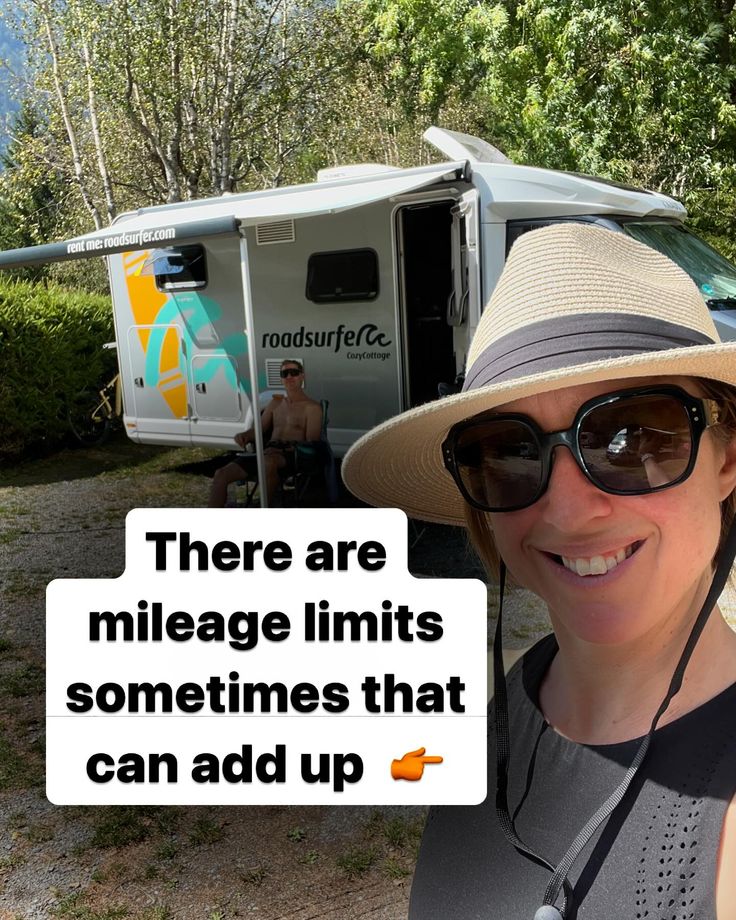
[273, 374]
[280, 231]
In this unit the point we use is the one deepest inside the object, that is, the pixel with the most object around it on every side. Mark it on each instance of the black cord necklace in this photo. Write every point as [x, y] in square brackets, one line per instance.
[559, 883]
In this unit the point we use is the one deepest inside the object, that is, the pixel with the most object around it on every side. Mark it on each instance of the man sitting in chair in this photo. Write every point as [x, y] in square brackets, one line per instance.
[291, 419]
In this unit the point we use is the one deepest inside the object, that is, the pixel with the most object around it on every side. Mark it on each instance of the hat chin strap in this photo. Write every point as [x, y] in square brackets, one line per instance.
[559, 882]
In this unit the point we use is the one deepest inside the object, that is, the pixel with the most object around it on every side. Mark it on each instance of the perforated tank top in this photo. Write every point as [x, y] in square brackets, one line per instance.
[654, 859]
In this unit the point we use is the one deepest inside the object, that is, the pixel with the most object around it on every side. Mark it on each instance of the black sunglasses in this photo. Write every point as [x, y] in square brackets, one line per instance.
[631, 442]
[290, 372]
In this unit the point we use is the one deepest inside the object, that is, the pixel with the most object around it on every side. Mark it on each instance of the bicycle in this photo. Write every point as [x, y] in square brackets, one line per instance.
[93, 414]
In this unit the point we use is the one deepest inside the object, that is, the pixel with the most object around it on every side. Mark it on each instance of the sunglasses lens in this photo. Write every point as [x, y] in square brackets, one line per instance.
[637, 443]
[499, 463]
[631, 445]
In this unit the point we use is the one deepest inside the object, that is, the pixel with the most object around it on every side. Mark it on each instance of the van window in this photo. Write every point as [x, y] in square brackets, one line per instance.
[714, 275]
[347, 274]
[179, 268]
[516, 228]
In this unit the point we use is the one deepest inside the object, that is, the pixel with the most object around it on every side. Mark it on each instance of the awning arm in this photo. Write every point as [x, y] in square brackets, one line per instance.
[250, 338]
[117, 239]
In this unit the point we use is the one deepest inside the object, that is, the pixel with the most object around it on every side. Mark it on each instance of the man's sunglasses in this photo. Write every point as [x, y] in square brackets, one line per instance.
[290, 372]
[631, 442]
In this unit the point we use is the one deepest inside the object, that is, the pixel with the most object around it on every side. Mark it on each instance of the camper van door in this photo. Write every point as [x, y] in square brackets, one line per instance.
[179, 313]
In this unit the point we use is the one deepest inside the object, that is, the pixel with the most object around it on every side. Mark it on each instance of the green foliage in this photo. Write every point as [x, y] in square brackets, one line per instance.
[30, 194]
[357, 860]
[204, 831]
[625, 89]
[395, 869]
[713, 211]
[193, 99]
[309, 858]
[12, 55]
[72, 906]
[14, 771]
[618, 88]
[158, 912]
[119, 825]
[255, 876]
[27, 680]
[50, 349]
[427, 48]
[161, 100]
[167, 850]
[398, 833]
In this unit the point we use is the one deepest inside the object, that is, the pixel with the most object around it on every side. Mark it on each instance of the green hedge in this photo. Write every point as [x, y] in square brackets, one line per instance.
[50, 349]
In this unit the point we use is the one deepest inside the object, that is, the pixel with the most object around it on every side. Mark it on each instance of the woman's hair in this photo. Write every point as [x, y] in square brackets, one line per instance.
[725, 431]
[478, 522]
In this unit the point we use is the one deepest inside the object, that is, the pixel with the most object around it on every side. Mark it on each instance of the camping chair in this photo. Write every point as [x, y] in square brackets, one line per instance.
[249, 487]
[250, 484]
[311, 459]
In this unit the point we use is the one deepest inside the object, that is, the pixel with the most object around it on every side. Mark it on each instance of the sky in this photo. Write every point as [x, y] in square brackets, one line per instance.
[11, 59]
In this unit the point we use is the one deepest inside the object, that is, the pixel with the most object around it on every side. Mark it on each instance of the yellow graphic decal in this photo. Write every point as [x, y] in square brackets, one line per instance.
[135, 261]
[171, 383]
[145, 298]
[147, 305]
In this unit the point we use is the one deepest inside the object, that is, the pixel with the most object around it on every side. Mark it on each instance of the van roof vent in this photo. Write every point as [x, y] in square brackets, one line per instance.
[353, 171]
[279, 231]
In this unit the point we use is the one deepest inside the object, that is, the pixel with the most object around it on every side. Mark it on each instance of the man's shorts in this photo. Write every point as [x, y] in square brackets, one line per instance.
[247, 461]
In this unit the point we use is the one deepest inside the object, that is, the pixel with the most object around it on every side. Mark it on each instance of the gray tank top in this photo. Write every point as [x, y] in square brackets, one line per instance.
[655, 857]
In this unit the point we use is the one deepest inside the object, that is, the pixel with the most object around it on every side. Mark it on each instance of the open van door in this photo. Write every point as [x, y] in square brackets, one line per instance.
[425, 233]
[439, 268]
[463, 307]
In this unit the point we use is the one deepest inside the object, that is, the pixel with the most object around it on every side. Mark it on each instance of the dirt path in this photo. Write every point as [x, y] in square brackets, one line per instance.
[64, 516]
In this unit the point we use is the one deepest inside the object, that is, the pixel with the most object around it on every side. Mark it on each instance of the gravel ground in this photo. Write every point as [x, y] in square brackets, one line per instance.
[63, 516]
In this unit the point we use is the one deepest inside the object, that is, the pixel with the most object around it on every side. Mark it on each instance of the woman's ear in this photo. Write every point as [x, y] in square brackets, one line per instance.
[727, 469]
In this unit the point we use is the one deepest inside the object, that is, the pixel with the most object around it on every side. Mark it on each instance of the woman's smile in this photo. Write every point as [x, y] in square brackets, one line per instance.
[596, 564]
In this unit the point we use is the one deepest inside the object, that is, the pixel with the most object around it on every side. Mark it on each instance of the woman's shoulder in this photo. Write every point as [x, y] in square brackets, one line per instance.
[534, 658]
[531, 667]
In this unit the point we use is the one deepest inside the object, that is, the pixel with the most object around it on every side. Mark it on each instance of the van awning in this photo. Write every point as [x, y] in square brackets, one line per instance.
[168, 225]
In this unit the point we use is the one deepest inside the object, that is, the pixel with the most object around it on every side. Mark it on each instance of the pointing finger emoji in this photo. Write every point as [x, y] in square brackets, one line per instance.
[411, 765]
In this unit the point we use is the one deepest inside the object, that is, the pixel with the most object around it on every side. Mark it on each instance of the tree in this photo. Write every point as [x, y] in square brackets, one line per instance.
[169, 100]
[30, 193]
[636, 91]
[151, 100]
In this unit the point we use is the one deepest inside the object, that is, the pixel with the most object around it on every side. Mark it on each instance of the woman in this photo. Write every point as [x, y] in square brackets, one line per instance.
[592, 453]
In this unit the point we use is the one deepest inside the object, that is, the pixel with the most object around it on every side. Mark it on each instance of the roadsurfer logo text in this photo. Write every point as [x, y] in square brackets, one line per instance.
[368, 335]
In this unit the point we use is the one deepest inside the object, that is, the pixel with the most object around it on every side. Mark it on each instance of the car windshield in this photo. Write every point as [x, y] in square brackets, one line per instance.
[714, 275]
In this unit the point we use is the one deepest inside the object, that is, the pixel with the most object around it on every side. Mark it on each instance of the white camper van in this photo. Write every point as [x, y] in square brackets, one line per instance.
[374, 277]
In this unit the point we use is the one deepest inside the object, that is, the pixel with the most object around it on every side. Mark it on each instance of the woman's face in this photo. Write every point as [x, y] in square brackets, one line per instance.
[668, 537]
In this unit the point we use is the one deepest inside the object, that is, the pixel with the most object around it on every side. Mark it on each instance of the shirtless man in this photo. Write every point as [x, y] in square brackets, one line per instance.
[292, 418]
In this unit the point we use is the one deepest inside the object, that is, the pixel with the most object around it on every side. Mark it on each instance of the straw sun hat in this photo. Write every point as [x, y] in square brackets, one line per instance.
[575, 304]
